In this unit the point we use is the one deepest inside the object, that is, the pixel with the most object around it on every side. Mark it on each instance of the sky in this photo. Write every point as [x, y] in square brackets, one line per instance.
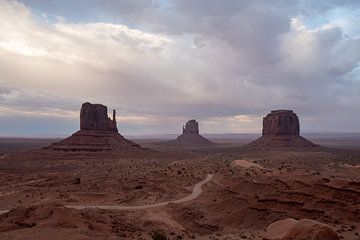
[162, 62]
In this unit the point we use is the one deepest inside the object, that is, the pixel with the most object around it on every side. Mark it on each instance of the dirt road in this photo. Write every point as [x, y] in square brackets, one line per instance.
[196, 192]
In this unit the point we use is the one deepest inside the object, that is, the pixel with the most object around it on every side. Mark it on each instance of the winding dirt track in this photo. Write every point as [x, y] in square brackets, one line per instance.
[196, 192]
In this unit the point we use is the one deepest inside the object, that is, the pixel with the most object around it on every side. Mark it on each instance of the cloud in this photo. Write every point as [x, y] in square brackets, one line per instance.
[162, 62]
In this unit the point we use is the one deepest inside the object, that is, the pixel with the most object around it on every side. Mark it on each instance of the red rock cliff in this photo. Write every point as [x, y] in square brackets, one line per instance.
[95, 117]
[281, 122]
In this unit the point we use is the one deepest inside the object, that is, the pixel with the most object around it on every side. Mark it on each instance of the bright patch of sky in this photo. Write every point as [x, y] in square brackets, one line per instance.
[345, 17]
[71, 11]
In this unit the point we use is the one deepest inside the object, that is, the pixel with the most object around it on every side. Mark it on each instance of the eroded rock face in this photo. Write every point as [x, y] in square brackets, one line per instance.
[95, 117]
[281, 129]
[97, 133]
[191, 135]
[281, 122]
[192, 126]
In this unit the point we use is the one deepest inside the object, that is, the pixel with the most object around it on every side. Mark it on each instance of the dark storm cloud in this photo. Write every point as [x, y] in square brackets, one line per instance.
[160, 62]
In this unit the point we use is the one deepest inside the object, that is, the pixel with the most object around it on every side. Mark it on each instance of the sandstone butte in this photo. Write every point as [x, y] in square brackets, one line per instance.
[97, 133]
[190, 135]
[281, 129]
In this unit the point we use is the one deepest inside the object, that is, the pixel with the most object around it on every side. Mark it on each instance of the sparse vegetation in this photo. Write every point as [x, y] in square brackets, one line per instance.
[157, 235]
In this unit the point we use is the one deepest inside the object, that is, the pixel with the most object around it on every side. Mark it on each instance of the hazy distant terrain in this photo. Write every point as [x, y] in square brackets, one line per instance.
[24, 144]
[336, 140]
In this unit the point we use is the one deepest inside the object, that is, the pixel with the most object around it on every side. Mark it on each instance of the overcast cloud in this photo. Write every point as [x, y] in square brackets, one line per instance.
[159, 63]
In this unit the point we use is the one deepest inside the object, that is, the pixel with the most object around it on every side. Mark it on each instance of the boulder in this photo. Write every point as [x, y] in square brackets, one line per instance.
[300, 229]
[280, 229]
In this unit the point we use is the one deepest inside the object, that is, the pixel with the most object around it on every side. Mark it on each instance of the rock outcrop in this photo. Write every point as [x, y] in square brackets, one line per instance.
[191, 135]
[192, 126]
[97, 133]
[300, 229]
[281, 122]
[95, 117]
[281, 128]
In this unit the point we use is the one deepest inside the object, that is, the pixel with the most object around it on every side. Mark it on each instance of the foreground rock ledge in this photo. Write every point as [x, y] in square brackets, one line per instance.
[300, 229]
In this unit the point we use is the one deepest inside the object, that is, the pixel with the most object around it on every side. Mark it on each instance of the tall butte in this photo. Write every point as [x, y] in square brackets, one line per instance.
[191, 135]
[281, 128]
[97, 133]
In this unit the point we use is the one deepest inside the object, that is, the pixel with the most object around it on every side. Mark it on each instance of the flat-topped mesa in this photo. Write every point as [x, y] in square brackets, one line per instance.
[281, 122]
[95, 117]
[281, 129]
[192, 126]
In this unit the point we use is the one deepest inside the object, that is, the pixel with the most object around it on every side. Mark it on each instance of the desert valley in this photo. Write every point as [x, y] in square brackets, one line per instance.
[98, 185]
[179, 119]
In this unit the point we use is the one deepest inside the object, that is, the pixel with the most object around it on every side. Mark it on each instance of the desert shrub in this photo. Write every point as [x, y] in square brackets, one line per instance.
[156, 235]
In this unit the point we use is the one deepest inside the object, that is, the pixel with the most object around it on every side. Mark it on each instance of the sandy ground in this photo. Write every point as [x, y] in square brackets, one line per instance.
[196, 192]
[242, 163]
[322, 184]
